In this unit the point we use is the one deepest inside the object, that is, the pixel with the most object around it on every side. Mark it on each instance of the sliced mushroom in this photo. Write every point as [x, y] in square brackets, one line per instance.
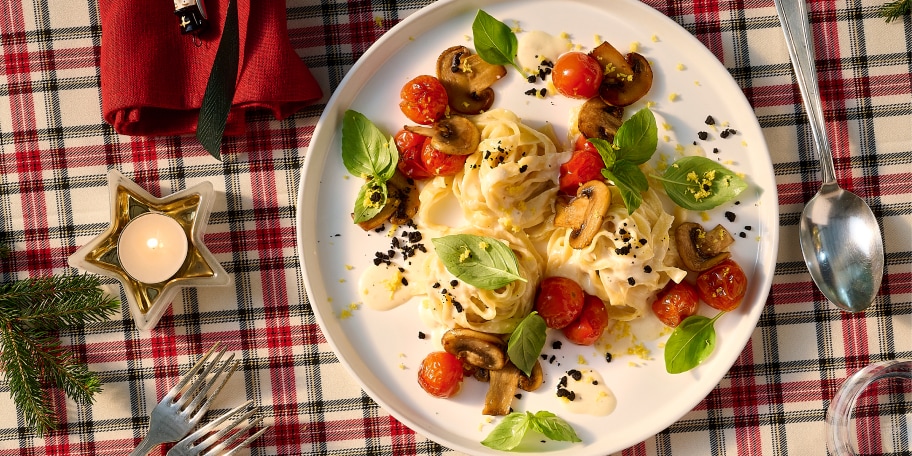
[526, 383]
[467, 80]
[501, 390]
[381, 217]
[404, 190]
[584, 212]
[454, 135]
[402, 202]
[687, 237]
[476, 348]
[598, 119]
[534, 381]
[611, 60]
[714, 242]
[623, 89]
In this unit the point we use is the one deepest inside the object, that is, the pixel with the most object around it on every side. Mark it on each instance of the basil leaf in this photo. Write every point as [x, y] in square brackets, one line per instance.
[508, 434]
[630, 181]
[690, 343]
[637, 138]
[365, 206]
[606, 150]
[526, 342]
[699, 184]
[554, 427]
[494, 41]
[480, 261]
[365, 150]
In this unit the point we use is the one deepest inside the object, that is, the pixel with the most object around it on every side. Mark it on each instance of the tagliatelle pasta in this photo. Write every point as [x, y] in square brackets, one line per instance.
[630, 259]
[507, 191]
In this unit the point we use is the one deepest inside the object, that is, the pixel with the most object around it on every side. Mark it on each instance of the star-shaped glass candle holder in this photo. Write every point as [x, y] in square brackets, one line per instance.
[154, 246]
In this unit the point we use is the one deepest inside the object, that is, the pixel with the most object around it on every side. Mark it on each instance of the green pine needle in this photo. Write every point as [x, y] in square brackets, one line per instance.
[893, 10]
[31, 355]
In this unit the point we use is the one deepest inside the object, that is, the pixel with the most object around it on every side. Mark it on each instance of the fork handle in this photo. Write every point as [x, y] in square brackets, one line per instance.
[145, 447]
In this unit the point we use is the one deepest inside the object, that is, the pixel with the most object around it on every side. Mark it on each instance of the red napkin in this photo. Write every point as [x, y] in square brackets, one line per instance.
[153, 78]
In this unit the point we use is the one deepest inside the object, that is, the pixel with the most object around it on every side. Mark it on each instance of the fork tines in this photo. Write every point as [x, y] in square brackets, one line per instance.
[189, 446]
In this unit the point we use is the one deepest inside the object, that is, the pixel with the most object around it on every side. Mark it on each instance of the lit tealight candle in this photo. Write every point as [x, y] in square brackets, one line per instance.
[152, 248]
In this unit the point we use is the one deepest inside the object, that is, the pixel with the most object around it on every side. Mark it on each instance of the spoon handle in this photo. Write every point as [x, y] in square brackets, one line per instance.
[800, 41]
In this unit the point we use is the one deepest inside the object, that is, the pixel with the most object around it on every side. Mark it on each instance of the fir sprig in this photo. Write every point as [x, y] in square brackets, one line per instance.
[893, 10]
[31, 355]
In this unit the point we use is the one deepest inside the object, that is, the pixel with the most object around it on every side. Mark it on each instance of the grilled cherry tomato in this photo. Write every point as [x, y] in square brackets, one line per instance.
[410, 147]
[438, 163]
[440, 374]
[590, 324]
[424, 100]
[559, 301]
[577, 75]
[675, 303]
[722, 286]
[584, 165]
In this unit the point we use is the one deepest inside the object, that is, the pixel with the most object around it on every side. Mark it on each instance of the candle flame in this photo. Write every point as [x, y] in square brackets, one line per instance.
[153, 243]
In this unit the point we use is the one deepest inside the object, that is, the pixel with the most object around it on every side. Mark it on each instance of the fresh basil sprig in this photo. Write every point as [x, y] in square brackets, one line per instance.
[494, 41]
[509, 433]
[694, 183]
[480, 261]
[700, 184]
[634, 144]
[526, 342]
[368, 154]
[691, 342]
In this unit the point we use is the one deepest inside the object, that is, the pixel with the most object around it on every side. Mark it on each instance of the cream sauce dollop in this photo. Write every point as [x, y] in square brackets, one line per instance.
[591, 395]
[384, 287]
[536, 46]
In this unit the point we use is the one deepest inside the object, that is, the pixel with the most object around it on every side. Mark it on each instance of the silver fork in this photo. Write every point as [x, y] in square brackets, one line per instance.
[174, 417]
[189, 447]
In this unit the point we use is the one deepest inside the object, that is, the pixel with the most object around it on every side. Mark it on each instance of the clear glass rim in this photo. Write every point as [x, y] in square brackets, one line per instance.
[839, 413]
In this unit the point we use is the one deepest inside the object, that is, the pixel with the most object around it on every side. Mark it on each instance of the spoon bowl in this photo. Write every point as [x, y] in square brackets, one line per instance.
[842, 247]
[839, 235]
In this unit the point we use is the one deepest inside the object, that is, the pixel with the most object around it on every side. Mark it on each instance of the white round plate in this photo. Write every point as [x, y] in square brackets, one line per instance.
[382, 349]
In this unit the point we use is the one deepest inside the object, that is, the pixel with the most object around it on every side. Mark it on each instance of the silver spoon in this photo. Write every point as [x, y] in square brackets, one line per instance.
[839, 236]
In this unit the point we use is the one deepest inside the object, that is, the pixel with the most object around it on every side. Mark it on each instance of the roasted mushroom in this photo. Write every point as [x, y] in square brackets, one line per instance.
[501, 390]
[467, 79]
[526, 383]
[533, 381]
[624, 89]
[598, 119]
[454, 135]
[584, 212]
[476, 348]
[403, 189]
[401, 203]
[700, 250]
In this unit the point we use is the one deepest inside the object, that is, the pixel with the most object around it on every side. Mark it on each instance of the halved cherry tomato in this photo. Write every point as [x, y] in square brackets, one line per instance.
[577, 75]
[559, 301]
[722, 286]
[440, 374]
[584, 165]
[590, 324]
[424, 100]
[582, 143]
[438, 163]
[410, 147]
[675, 303]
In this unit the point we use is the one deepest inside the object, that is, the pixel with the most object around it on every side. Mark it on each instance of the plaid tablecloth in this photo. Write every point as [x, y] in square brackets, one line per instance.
[56, 150]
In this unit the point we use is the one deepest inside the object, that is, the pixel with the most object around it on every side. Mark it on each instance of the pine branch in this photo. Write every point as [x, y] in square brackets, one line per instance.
[52, 302]
[25, 380]
[31, 355]
[893, 10]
